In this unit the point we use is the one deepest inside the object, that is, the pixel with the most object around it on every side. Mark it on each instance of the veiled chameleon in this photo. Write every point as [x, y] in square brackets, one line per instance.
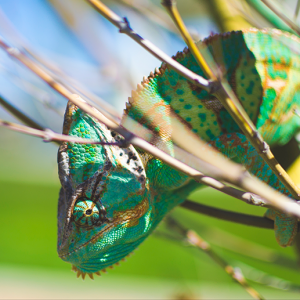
[112, 198]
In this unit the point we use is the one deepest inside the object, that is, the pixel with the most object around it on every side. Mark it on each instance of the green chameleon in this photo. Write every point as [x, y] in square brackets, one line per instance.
[112, 198]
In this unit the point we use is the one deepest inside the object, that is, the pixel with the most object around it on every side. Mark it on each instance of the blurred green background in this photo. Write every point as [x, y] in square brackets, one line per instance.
[159, 269]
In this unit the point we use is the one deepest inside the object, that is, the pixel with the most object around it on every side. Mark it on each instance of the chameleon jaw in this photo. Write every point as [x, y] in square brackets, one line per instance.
[128, 217]
[82, 274]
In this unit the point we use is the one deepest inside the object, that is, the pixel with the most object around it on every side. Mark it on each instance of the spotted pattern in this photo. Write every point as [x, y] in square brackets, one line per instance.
[262, 69]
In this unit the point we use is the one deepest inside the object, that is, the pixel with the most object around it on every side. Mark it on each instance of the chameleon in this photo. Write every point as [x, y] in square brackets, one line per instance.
[112, 198]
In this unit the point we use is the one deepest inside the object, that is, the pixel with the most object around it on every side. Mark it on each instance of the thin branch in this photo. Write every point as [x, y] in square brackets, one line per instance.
[266, 279]
[268, 15]
[250, 273]
[49, 136]
[297, 10]
[282, 16]
[214, 165]
[19, 115]
[226, 215]
[246, 197]
[124, 27]
[227, 97]
[153, 13]
[195, 240]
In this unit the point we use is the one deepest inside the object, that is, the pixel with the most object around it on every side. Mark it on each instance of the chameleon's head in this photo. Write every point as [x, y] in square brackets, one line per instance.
[103, 209]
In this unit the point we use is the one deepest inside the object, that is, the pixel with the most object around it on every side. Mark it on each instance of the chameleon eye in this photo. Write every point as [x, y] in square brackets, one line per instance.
[86, 213]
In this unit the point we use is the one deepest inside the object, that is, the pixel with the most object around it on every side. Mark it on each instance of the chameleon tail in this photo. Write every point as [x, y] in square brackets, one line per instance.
[237, 147]
[285, 227]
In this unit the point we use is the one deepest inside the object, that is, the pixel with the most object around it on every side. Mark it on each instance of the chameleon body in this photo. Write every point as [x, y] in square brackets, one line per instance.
[112, 198]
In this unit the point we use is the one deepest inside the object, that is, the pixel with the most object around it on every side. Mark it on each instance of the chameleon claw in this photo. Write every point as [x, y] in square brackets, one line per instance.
[98, 273]
[78, 274]
[83, 275]
[91, 275]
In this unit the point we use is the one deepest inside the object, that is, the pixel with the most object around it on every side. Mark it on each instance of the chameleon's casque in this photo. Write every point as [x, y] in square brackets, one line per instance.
[112, 198]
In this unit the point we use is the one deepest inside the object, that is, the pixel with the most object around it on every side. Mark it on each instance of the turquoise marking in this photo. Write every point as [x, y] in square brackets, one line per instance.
[249, 89]
[202, 117]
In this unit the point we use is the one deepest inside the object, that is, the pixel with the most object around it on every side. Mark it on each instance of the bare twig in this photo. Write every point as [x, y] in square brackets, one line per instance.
[153, 13]
[267, 15]
[266, 279]
[124, 27]
[283, 17]
[229, 215]
[297, 10]
[195, 240]
[227, 97]
[19, 115]
[48, 135]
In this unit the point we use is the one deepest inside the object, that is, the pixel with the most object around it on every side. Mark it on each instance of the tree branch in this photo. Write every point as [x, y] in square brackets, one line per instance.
[286, 20]
[49, 136]
[124, 27]
[195, 240]
[226, 215]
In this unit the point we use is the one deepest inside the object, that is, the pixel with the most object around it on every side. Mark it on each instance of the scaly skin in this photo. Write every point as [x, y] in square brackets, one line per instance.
[112, 199]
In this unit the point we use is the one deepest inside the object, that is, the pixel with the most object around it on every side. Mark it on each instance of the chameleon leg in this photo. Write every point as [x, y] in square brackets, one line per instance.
[237, 147]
